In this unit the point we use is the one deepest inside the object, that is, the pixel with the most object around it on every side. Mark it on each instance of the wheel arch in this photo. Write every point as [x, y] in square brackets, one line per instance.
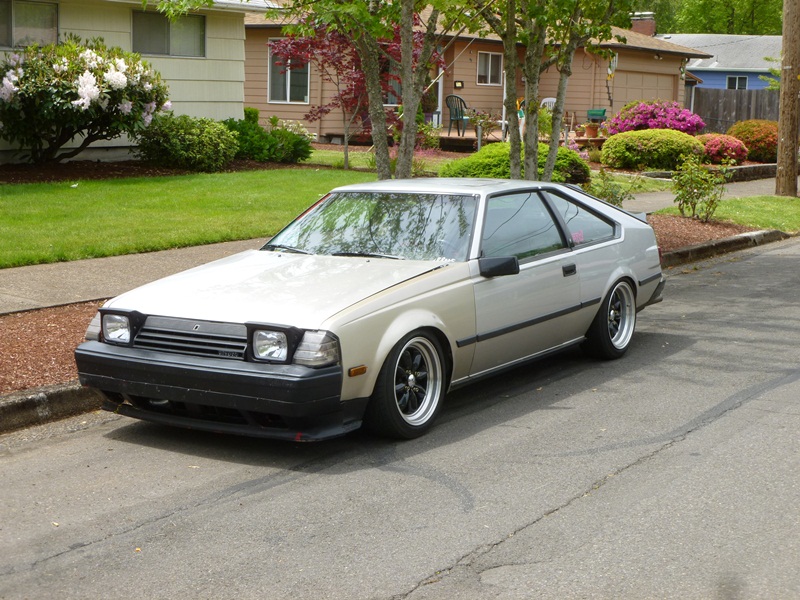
[402, 325]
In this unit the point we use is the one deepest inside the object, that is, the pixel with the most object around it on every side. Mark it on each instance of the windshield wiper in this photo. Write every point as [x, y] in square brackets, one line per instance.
[281, 248]
[368, 255]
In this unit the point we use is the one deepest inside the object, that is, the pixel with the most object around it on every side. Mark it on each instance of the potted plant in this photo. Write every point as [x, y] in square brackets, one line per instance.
[591, 129]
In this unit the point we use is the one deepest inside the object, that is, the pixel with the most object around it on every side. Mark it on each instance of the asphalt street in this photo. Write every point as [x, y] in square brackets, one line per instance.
[671, 473]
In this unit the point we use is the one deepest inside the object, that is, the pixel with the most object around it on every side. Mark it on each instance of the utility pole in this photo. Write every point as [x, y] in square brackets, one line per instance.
[788, 123]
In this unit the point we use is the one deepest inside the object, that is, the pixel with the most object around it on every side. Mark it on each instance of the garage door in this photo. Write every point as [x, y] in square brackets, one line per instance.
[634, 85]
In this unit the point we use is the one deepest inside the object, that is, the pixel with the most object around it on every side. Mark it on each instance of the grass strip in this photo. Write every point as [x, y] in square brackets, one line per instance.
[52, 222]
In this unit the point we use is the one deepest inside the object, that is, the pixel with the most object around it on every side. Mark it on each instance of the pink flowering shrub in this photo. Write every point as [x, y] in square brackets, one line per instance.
[654, 114]
[760, 137]
[721, 147]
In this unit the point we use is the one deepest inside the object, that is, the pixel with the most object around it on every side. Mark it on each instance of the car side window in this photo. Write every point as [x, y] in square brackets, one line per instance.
[519, 225]
[584, 226]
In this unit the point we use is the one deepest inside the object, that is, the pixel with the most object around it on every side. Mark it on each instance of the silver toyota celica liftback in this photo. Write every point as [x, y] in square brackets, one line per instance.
[373, 304]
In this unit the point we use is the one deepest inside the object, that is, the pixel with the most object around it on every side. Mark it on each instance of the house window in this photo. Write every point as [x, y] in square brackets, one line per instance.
[288, 83]
[153, 33]
[490, 68]
[737, 83]
[25, 23]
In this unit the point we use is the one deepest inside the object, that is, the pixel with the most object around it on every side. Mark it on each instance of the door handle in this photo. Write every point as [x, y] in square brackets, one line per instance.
[569, 270]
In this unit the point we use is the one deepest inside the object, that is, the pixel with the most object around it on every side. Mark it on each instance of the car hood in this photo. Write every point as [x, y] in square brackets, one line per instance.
[271, 287]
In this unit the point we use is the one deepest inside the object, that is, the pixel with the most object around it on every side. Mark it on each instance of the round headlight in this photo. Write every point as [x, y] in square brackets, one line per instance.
[117, 329]
[270, 345]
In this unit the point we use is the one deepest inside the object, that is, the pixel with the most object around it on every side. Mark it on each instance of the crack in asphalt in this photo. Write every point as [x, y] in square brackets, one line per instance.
[667, 440]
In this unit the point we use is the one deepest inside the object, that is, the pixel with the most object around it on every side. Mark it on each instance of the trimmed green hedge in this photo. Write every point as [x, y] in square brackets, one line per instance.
[187, 143]
[654, 149]
[493, 161]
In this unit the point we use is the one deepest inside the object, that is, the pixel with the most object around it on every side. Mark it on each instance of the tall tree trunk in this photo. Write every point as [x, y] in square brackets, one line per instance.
[413, 74]
[532, 68]
[370, 52]
[786, 180]
[558, 110]
[511, 62]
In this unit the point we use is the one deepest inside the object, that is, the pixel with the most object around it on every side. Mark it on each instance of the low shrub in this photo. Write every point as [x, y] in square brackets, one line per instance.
[723, 148]
[187, 143]
[655, 149]
[570, 167]
[654, 114]
[605, 188]
[698, 191]
[760, 137]
[493, 161]
[274, 144]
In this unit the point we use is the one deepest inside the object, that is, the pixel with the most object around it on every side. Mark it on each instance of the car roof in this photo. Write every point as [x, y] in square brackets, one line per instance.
[441, 185]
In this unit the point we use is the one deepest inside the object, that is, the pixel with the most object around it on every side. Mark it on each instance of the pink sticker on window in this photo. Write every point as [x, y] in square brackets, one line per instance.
[577, 237]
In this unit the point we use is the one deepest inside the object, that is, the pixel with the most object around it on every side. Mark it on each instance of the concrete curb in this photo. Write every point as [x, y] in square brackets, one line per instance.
[715, 247]
[19, 410]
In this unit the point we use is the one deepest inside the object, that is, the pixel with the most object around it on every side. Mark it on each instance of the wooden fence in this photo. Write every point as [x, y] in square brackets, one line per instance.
[722, 108]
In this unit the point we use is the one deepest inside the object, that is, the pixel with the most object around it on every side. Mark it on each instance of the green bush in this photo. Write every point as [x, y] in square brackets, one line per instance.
[760, 137]
[251, 114]
[254, 142]
[493, 161]
[275, 144]
[187, 143]
[490, 161]
[605, 188]
[654, 148]
[291, 148]
[698, 191]
[570, 167]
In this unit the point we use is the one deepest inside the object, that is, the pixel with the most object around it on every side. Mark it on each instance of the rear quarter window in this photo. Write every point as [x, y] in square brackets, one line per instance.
[583, 226]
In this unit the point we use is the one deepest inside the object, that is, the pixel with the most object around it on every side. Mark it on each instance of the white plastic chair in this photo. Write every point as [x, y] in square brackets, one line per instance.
[548, 103]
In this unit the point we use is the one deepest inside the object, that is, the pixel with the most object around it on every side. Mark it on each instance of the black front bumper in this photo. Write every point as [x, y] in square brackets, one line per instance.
[288, 402]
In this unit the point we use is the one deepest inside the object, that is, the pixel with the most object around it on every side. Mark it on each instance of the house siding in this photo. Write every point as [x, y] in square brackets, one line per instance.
[639, 76]
[719, 79]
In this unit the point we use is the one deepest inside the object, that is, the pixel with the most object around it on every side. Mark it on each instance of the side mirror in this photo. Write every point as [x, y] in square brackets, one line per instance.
[497, 266]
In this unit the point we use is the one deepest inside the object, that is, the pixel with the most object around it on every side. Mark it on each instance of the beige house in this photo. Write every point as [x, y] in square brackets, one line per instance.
[642, 68]
[200, 56]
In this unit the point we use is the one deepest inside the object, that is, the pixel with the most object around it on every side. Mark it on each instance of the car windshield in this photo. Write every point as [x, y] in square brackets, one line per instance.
[388, 225]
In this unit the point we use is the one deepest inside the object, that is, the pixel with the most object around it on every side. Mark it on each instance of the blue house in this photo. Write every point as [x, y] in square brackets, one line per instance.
[737, 61]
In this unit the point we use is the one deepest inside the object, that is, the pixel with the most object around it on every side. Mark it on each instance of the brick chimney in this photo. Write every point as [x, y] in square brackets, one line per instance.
[644, 23]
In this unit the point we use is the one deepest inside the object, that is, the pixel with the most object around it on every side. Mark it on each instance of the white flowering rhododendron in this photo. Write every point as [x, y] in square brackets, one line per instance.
[56, 100]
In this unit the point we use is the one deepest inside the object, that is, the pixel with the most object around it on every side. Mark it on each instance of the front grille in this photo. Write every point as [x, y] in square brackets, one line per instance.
[198, 338]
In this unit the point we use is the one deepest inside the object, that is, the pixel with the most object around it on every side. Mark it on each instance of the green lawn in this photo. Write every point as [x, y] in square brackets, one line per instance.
[41, 223]
[763, 212]
[51, 222]
[428, 162]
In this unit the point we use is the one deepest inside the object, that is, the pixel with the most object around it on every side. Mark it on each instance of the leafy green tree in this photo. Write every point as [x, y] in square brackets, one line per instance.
[574, 24]
[665, 12]
[738, 17]
[54, 94]
[774, 78]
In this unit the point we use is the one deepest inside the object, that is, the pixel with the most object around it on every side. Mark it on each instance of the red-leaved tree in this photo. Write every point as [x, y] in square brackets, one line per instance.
[333, 55]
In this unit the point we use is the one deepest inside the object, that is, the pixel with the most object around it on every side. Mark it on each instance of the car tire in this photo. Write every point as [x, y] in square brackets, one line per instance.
[612, 329]
[409, 390]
